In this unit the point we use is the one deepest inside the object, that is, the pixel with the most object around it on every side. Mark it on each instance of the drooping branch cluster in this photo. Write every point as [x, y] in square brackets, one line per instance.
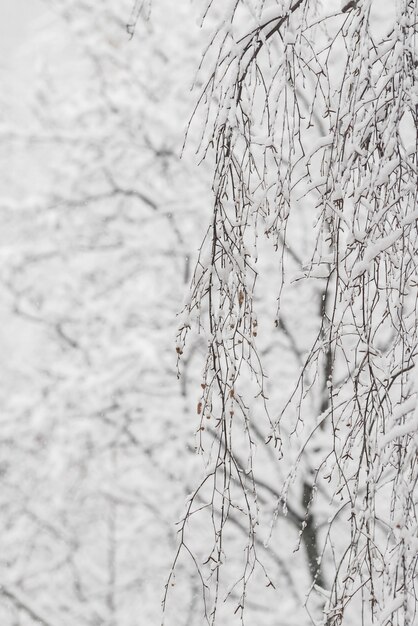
[315, 113]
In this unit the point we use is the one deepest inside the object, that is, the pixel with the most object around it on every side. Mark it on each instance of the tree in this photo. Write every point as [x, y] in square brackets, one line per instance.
[311, 115]
[302, 300]
[94, 265]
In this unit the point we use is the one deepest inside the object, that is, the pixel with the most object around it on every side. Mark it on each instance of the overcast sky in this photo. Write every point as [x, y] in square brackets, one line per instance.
[18, 22]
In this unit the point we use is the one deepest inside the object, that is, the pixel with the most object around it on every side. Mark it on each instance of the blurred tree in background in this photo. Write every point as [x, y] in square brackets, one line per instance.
[99, 218]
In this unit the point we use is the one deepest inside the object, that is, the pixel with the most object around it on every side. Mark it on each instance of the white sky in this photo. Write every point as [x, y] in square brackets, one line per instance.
[18, 21]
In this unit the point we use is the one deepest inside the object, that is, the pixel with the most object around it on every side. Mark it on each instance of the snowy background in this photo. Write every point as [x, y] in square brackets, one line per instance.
[103, 273]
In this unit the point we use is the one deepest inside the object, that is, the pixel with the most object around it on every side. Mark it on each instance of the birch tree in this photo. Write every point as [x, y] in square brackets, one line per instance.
[305, 293]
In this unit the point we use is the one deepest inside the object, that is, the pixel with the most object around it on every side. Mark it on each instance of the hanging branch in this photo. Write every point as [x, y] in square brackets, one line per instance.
[340, 154]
